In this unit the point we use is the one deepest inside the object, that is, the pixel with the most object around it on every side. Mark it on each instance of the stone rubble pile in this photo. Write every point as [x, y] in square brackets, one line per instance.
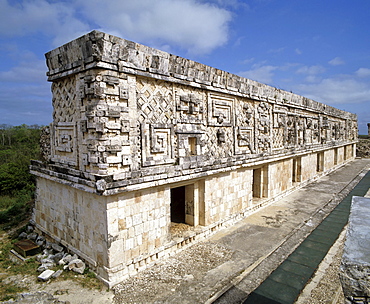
[52, 255]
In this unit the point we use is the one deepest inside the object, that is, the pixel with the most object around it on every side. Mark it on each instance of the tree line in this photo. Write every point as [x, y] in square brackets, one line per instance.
[18, 145]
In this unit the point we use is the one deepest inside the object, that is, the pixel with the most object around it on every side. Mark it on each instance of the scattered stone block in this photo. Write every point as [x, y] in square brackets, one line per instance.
[45, 266]
[40, 240]
[56, 247]
[57, 274]
[46, 275]
[22, 235]
[58, 257]
[32, 236]
[355, 264]
[77, 266]
[66, 259]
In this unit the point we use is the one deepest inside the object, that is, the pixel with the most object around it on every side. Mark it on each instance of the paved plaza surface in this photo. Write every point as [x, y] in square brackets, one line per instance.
[232, 264]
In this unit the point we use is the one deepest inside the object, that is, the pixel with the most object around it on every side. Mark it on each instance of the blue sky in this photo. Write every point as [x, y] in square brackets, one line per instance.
[319, 49]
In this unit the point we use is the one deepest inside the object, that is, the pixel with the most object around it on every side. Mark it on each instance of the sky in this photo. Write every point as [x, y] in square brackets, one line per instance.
[319, 49]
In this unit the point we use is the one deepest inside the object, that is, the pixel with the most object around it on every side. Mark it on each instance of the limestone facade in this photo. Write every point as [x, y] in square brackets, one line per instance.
[144, 143]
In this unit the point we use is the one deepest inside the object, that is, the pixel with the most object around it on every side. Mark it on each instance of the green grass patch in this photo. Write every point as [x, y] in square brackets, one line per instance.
[16, 209]
[6, 201]
[9, 291]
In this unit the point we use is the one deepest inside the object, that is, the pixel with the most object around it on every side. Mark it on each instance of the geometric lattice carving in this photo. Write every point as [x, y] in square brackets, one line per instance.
[64, 100]
[278, 136]
[215, 149]
[263, 124]
[244, 113]
[279, 130]
[154, 100]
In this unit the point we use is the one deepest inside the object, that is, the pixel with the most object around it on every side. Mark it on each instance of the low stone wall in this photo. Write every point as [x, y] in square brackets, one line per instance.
[355, 265]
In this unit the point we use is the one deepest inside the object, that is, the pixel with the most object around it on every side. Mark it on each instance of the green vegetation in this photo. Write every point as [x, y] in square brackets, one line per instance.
[18, 145]
[363, 136]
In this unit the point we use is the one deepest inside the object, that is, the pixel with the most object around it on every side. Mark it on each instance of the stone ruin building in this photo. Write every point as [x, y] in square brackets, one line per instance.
[143, 141]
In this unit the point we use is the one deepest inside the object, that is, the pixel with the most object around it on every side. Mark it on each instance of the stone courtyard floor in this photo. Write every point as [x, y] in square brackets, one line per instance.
[234, 262]
[231, 264]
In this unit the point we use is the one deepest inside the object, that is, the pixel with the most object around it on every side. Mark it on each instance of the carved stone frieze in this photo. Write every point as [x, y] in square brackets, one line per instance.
[220, 110]
[155, 101]
[190, 106]
[244, 140]
[263, 125]
[64, 148]
[158, 144]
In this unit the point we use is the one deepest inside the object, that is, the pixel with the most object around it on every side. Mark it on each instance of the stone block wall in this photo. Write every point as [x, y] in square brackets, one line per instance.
[149, 140]
[78, 219]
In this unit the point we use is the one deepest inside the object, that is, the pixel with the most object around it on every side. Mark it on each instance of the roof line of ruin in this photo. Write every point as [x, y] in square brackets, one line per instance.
[100, 50]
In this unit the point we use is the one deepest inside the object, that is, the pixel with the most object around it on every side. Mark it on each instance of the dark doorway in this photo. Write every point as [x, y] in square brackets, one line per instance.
[178, 205]
[257, 183]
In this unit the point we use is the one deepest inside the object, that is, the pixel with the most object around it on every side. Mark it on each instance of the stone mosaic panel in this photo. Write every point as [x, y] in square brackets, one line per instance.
[190, 105]
[65, 100]
[219, 143]
[155, 100]
[244, 140]
[220, 110]
[64, 148]
[158, 141]
[105, 127]
[263, 127]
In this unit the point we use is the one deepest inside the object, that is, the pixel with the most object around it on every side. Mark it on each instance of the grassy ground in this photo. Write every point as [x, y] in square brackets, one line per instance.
[8, 268]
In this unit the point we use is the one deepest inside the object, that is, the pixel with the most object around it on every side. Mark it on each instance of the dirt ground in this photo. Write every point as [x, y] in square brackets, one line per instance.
[63, 290]
[324, 287]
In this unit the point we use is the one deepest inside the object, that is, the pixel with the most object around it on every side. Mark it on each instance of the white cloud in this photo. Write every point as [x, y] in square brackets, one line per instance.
[298, 51]
[196, 26]
[276, 51]
[336, 61]
[56, 19]
[337, 91]
[260, 73]
[363, 72]
[30, 69]
[311, 70]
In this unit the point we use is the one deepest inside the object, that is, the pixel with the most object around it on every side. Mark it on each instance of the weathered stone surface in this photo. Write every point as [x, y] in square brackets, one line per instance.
[142, 139]
[39, 297]
[46, 275]
[45, 266]
[32, 236]
[22, 235]
[363, 148]
[77, 265]
[57, 274]
[355, 265]
[56, 247]
[57, 257]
